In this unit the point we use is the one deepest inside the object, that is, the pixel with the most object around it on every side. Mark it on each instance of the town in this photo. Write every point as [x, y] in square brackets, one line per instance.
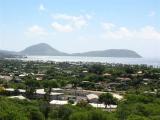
[61, 86]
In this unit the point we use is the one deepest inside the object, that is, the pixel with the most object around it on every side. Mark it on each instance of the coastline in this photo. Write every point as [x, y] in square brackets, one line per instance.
[103, 60]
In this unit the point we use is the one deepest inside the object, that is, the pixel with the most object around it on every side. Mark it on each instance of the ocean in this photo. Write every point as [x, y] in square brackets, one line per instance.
[147, 61]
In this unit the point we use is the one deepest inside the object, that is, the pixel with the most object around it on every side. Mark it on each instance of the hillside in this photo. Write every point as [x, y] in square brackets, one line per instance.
[9, 54]
[42, 49]
[110, 53]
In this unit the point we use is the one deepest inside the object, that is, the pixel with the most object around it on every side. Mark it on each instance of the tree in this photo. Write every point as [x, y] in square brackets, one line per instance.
[75, 83]
[107, 99]
[48, 85]
[83, 104]
[79, 116]
[35, 114]
[137, 117]
[97, 68]
[31, 86]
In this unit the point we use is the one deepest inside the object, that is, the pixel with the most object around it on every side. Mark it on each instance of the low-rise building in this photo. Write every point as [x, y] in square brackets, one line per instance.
[58, 102]
[93, 98]
[53, 95]
[96, 105]
[18, 97]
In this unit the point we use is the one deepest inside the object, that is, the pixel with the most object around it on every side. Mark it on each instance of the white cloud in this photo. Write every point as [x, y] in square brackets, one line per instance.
[88, 16]
[152, 14]
[149, 32]
[36, 30]
[70, 23]
[41, 7]
[108, 26]
[123, 33]
[61, 28]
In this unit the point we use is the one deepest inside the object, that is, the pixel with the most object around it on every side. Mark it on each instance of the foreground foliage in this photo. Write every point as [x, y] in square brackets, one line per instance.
[134, 107]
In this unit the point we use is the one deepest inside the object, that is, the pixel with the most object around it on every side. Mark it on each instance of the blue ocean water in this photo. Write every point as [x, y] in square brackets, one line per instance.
[148, 61]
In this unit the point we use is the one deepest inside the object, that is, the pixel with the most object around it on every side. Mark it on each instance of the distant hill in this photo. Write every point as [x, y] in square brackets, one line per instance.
[9, 54]
[42, 49]
[110, 53]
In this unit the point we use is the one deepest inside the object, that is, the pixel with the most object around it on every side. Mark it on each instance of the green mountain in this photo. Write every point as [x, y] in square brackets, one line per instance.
[110, 53]
[42, 49]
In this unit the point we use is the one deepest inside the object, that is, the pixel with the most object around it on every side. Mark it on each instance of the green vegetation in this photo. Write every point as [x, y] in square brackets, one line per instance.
[135, 107]
[139, 84]
[107, 99]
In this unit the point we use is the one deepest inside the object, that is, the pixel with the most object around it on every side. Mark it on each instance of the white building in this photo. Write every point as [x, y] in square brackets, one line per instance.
[54, 95]
[93, 98]
[18, 97]
[95, 105]
[59, 102]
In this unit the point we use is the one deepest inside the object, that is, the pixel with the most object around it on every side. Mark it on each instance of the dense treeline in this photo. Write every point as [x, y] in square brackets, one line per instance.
[134, 107]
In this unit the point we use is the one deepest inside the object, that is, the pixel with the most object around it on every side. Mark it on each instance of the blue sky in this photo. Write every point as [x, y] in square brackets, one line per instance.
[81, 25]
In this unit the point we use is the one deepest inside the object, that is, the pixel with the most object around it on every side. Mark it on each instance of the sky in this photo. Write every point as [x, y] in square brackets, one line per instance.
[81, 25]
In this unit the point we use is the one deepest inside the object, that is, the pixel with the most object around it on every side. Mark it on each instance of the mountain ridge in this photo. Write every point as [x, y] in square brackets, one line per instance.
[43, 49]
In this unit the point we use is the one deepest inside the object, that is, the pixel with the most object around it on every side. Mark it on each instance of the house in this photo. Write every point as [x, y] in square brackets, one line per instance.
[85, 71]
[53, 95]
[134, 75]
[39, 75]
[40, 92]
[123, 78]
[117, 96]
[9, 89]
[70, 97]
[111, 106]
[150, 92]
[107, 75]
[139, 72]
[6, 77]
[23, 75]
[39, 78]
[95, 105]
[68, 86]
[57, 90]
[22, 91]
[93, 98]
[18, 97]
[56, 96]
[146, 79]
[58, 102]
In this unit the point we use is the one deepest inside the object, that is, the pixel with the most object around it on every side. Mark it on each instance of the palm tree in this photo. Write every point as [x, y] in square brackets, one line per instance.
[31, 85]
[75, 83]
[107, 99]
[48, 85]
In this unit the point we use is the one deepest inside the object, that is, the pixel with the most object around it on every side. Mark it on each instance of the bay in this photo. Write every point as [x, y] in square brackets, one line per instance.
[147, 61]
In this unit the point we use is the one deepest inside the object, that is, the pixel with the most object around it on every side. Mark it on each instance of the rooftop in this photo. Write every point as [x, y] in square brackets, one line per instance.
[92, 96]
[59, 102]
